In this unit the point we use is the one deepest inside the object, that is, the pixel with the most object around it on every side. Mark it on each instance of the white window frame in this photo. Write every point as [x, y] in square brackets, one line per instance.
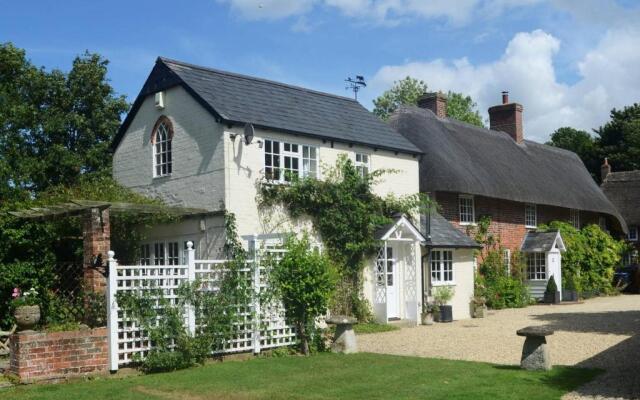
[363, 163]
[633, 233]
[537, 261]
[162, 153]
[575, 218]
[506, 260]
[441, 268]
[299, 157]
[464, 198]
[527, 216]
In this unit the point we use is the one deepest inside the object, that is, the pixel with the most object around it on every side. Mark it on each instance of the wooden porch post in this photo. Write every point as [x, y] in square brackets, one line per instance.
[96, 244]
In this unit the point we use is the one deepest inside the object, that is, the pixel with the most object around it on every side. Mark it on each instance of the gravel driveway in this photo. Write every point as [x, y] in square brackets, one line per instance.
[600, 333]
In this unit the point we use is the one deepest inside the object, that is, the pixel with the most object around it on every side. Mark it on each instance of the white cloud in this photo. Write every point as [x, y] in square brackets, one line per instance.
[609, 77]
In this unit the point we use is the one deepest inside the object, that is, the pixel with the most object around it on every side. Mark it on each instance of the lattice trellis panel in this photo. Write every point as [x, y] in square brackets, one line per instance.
[264, 325]
[379, 278]
[410, 276]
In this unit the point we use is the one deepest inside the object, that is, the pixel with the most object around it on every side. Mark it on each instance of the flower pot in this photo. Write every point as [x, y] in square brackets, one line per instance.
[569, 295]
[427, 319]
[552, 298]
[27, 317]
[446, 313]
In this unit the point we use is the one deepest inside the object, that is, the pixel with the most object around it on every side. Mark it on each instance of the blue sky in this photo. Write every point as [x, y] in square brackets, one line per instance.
[567, 62]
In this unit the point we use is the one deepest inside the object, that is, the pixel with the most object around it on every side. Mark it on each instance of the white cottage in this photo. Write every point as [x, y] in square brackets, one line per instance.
[205, 138]
[542, 251]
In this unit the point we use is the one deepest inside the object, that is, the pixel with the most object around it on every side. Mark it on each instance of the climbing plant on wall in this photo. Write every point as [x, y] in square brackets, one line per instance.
[345, 213]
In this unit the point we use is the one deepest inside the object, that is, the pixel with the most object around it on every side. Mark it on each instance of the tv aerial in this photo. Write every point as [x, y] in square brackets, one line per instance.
[355, 84]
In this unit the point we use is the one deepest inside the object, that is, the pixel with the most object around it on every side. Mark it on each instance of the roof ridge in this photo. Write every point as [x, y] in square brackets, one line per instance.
[485, 130]
[254, 78]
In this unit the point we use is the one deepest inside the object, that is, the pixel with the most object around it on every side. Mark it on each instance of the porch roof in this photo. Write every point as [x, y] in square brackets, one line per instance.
[542, 242]
[440, 233]
[388, 231]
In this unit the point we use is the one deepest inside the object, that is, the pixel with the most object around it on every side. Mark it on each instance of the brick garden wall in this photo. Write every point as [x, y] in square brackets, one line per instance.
[507, 217]
[37, 356]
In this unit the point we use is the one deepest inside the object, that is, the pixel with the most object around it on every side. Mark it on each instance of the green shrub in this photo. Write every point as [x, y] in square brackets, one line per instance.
[304, 280]
[443, 294]
[552, 288]
[591, 257]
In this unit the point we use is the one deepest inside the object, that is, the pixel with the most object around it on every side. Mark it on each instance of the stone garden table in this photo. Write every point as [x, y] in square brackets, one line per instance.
[535, 354]
[344, 340]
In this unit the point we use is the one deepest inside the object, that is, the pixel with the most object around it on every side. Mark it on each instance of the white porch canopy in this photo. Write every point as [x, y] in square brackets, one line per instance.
[396, 277]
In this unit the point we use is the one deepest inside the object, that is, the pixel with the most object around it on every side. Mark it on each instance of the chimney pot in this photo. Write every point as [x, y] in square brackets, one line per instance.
[507, 117]
[505, 97]
[436, 102]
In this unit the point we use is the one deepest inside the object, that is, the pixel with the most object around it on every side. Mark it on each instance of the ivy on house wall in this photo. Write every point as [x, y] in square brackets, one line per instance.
[345, 212]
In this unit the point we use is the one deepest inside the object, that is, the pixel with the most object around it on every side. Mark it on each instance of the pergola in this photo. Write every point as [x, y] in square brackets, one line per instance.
[97, 229]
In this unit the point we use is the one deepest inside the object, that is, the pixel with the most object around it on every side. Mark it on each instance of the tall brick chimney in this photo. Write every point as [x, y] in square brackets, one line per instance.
[436, 102]
[507, 117]
[605, 170]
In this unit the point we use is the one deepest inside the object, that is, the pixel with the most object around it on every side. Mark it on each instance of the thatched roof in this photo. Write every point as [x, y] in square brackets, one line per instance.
[623, 189]
[463, 158]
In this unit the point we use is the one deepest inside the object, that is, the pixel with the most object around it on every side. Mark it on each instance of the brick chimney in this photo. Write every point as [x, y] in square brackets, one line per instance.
[507, 117]
[436, 102]
[605, 170]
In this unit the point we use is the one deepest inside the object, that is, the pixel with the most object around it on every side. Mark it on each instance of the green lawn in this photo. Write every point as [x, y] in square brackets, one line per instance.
[373, 328]
[324, 376]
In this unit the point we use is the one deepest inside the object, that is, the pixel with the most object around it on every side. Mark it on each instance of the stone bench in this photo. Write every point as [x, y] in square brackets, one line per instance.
[535, 354]
[344, 340]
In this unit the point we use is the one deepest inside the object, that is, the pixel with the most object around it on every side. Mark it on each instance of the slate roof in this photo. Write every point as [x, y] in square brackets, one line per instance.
[239, 99]
[381, 231]
[463, 158]
[539, 242]
[440, 233]
[623, 189]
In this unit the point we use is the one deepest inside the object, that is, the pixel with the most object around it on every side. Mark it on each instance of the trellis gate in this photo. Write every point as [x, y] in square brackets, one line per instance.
[264, 326]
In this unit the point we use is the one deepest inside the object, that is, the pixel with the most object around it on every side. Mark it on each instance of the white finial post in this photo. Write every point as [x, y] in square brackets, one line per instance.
[191, 277]
[112, 310]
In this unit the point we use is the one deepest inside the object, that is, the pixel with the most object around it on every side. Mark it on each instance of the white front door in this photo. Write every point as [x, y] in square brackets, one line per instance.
[393, 292]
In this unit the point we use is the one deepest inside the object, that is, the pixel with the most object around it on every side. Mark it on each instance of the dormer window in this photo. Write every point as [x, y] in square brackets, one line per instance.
[161, 140]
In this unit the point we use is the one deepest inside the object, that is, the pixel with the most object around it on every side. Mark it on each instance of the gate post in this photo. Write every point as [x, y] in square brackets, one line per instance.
[191, 277]
[257, 318]
[112, 312]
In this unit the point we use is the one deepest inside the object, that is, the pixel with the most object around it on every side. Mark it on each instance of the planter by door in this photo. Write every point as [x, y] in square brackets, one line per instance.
[569, 295]
[446, 313]
[552, 298]
[27, 317]
[427, 319]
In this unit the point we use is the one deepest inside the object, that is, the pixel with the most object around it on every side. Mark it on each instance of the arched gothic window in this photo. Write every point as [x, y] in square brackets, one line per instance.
[161, 141]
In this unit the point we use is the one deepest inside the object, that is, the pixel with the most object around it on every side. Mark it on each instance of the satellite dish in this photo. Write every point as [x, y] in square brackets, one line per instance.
[248, 133]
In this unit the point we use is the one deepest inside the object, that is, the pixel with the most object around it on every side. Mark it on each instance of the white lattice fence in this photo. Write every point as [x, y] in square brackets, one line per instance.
[262, 327]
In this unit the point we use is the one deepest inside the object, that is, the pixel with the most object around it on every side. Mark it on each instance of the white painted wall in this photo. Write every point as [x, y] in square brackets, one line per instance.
[197, 179]
[208, 242]
[463, 276]
[245, 169]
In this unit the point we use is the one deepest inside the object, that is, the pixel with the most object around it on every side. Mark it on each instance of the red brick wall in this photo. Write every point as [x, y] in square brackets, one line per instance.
[37, 356]
[97, 241]
[507, 217]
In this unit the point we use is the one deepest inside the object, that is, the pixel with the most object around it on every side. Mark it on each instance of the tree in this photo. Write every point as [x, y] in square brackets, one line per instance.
[619, 139]
[581, 143]
[463, 108]
[407, 92]
[404, 92]
[54, 126]
[305, 281]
